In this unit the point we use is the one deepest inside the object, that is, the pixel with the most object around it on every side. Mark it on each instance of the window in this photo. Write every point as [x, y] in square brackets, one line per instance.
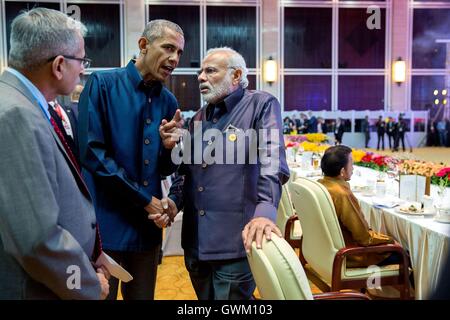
[423, 95]
[188, 18]
[359, 46]
[430, 25]
[307, 93]
[102, 41]
[307, 37]
[233, 27]
[318, 76]
[361, 92]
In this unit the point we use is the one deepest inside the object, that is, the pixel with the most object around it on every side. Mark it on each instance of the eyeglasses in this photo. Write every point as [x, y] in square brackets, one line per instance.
[85, 62]
[211, 70]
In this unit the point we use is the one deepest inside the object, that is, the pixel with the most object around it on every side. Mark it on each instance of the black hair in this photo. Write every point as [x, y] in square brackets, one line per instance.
[334, 159]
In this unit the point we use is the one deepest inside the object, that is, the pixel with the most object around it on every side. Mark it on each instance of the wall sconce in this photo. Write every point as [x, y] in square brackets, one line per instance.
[270, 71]
[399, 71]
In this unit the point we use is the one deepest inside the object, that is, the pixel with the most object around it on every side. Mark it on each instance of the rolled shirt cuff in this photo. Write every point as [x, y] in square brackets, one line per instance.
[266, 210]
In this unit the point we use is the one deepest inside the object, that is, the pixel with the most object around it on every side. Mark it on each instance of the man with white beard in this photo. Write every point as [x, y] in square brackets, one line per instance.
[227, 205]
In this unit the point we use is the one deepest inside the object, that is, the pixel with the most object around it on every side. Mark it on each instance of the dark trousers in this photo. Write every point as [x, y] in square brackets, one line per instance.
[391, 139]
[400, 137]
[220, 279]
[367, 136]
[143, 267]
[380, 139]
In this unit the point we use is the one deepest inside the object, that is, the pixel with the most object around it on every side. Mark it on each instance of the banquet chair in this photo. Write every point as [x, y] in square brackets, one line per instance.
[280, 276]
[324, 249]
[287, 219]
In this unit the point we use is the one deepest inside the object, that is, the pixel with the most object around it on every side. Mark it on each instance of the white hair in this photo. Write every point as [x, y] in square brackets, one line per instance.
[235, 61]
[155, 29]
[40, 34]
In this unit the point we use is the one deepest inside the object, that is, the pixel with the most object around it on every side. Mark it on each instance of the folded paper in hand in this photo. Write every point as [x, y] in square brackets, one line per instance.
[113, 267]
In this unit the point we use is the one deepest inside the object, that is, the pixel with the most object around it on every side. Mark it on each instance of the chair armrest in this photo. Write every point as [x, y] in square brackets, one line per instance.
[381, 248]
[289, 223]
[341, 296]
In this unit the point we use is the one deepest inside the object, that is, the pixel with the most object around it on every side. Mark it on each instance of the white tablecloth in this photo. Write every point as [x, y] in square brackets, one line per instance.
[427, 241]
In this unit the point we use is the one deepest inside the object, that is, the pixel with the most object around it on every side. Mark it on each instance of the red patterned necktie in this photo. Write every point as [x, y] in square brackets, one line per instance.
[98, 241]
[65, 145]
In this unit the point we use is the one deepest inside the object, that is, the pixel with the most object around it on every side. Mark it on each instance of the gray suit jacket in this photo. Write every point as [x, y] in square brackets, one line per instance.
[47, 225]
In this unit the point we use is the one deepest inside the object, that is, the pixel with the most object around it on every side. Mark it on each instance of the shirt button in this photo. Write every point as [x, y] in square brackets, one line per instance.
[209, 142]
[202, 212]
[147, 141]
[145, 183]
[215, 120]
[148, 121]
[204, 165]
[200, 189]
[146, 162]
[149, 100]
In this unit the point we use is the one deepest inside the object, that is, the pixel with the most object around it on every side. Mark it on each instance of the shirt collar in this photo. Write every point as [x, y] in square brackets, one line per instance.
[153, 87]
[32, 88]
[337, 180]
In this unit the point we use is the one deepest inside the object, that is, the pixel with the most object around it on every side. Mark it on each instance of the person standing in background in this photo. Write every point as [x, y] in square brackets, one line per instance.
[339, 131]
[381, 128]
[390, 131]
[365, 128]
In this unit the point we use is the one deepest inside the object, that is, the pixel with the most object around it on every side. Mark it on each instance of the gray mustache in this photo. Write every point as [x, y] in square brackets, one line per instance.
[204, 87]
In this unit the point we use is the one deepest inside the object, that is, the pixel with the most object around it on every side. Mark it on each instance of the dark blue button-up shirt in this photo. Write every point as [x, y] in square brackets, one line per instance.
[218, 200]
[122, 153]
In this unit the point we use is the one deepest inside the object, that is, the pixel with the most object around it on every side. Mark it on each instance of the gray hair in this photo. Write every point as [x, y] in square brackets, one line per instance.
[155, 29]
[235, 61]
[40, 34]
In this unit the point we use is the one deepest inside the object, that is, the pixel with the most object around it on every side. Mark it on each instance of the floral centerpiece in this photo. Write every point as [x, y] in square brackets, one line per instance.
[442, 178]
[314, 147]
[373, 161]
[423, 168]
[316, 137]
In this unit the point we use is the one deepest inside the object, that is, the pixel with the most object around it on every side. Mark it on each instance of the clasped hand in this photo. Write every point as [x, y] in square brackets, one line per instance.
[162, 212]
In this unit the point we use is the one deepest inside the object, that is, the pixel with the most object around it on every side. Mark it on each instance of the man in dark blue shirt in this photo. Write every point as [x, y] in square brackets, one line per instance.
[125, 146]
[230, 196]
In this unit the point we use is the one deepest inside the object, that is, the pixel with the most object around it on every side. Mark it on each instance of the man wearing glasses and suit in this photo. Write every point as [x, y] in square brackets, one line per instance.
[48, 233]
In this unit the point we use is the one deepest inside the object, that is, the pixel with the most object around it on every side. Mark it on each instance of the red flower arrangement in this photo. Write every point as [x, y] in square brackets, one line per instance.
[374, 161]
[443, 173]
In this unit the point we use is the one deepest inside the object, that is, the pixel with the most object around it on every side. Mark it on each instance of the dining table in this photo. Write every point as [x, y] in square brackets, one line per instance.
[425, 236]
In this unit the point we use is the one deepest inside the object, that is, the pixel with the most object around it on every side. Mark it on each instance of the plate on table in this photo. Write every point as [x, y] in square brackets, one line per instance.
[412, 210]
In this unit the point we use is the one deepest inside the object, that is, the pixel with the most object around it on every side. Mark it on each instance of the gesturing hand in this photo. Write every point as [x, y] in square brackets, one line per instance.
[170, 130]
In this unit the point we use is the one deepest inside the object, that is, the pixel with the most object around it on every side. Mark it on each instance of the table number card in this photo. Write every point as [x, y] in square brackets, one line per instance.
[412, 187]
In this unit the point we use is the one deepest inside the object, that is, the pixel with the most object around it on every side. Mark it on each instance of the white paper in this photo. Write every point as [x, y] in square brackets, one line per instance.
[113, 267]
[412, 187]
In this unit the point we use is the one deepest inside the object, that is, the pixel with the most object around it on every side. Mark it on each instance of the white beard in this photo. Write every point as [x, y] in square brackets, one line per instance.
[220, 91]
